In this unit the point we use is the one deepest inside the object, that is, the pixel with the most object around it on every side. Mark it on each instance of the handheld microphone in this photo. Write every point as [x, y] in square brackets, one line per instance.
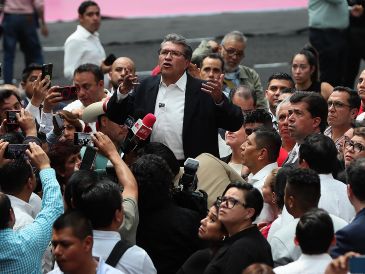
[140, 130]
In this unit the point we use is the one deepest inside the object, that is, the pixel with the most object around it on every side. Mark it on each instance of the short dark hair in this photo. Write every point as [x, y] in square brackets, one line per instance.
[317, 105]
[252, 196]
[28, 70]
[94, 69]
[99, 203]
[164, 152]
[320, 153]
[6, 93]
[270, 139]
[355, 178]
[84, 5]
[281, 76]
[354, 99]
[180, 40]
[77, 221]
[155, 182]
[305, 186]
[315, 232]
[15, 176]
[13, 137]
[213, 56]
[5, 207]
[245, 92]
[258, 116]
[280, 183]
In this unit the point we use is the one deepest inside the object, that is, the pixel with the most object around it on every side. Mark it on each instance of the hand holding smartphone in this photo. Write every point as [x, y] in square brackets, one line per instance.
[68, 93]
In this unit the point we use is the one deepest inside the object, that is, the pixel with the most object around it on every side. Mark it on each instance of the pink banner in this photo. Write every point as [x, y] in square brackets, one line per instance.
[66, 10]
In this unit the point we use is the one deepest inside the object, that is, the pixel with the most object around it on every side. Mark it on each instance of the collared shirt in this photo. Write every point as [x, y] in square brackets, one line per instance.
[22, 250]
[23, 211]
[134, 260]
[282, 243]
[338, 142]
[102, 268]
[258, 181]
[169, 112]
[82, 47]
[293, 155]
[281, 221]
[314, 264]
[334, 198]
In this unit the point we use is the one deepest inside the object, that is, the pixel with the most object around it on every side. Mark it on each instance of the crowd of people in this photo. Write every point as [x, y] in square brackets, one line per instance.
[198, 168]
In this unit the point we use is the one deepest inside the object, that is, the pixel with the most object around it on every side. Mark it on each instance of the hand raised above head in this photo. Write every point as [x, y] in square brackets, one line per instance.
[37, 156]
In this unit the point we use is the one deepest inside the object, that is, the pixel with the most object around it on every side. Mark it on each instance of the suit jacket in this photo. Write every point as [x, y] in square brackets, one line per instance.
[351, 237]
[202, 117]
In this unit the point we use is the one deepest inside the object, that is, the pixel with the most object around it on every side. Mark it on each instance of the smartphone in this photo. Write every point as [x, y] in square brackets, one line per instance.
[58, 124]
[110, 59]
[11, 117]
[88, 158]
[15, 151]
[47, 70]
[82, 139]
[68, 93]
[357, 264]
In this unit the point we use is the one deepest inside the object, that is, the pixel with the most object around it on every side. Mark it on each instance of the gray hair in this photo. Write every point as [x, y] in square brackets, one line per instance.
[285, 101]
[235, 36]
[180, 40]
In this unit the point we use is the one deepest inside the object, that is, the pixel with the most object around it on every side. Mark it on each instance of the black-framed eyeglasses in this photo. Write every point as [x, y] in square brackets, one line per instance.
[231, 52]
[337, 104]
[229, 201]
[357, 147]
[173, 53]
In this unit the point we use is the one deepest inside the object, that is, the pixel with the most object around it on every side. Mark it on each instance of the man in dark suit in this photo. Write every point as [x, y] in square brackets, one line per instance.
[352, 236]
[188, 111]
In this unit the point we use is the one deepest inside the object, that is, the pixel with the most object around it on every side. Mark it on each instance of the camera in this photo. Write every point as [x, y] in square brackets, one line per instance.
[15, 151]
[68, 93]
[82, 139]
[11, 117]
[189, 180]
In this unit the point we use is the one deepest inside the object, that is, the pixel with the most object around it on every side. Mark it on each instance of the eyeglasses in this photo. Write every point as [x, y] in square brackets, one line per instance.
[357, 147]
[232, 52]
[173, 53]
[336, 104]
[230, 202]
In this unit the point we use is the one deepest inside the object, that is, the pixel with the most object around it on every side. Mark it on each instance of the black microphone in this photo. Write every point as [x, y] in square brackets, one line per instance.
[140, 130]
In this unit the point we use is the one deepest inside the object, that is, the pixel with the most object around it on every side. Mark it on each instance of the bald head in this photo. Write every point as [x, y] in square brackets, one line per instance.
[121, 68]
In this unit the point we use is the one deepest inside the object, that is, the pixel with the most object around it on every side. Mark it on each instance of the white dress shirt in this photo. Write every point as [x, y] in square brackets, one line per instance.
[306, 264]
[334, 198]
[23, 211]
[169, 112]
[258, 181]
[82, 47]
[282, 242]
[282, 220]
[134, 260]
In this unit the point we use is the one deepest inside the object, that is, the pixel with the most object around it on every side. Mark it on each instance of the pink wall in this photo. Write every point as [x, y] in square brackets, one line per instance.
[66, 10]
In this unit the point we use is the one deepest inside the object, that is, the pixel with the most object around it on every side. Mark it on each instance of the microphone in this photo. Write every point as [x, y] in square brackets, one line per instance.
[140, 132]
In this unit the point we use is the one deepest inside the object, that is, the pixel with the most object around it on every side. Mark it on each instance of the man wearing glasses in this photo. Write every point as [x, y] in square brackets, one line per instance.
[188, 111]
[232, 50]
[343, 106]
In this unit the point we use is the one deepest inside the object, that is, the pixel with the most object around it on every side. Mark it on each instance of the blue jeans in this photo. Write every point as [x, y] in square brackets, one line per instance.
[20, 28]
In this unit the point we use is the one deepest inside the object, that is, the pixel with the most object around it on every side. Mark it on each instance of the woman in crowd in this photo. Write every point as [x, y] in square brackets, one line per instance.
[240, 204]
[212, 231]
[71, 124]
[304, 67]
[65, 159]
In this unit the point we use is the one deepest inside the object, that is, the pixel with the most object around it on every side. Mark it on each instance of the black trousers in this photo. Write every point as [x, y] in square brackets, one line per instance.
[331, 46]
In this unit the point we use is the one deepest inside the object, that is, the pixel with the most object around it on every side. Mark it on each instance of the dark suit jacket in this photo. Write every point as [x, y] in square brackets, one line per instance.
[202, 117]
[351, 237]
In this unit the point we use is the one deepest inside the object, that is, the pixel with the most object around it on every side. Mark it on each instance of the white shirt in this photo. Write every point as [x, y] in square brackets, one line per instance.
[169, 112]
[282, 242]
[258, 181]
[102, 268]
[306, 264]
[82, 47]
[334, 198]
[281, 221]
[134, 260]
[360, 117]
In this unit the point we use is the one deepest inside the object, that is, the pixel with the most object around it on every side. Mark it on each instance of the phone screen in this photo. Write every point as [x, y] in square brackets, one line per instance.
[88, 158]
[47, 70]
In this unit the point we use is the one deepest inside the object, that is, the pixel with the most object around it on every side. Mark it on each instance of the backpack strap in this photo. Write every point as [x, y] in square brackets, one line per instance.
[118, 250]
